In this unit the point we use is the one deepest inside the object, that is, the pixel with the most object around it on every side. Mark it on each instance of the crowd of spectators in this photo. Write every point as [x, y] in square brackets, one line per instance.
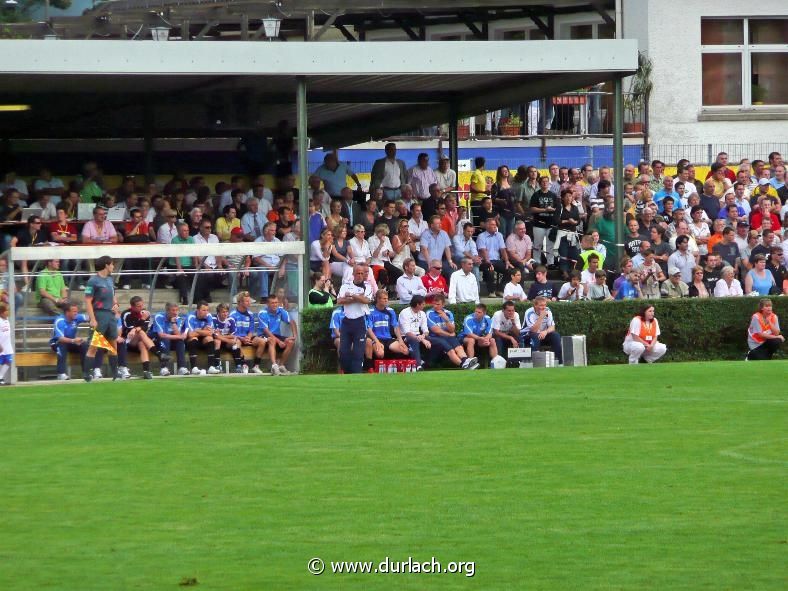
[417, 236]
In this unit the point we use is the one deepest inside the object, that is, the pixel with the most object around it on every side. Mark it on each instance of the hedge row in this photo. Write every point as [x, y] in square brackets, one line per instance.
[693, 329]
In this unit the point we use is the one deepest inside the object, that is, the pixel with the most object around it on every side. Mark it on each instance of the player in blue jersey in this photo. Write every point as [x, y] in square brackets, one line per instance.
[199, 325]
[271, 318]
[383, 333]
[245, 329]
[477, 332]
[169, 332]
[335, 326]
[443, 335]
[224, 338]
[65, 340]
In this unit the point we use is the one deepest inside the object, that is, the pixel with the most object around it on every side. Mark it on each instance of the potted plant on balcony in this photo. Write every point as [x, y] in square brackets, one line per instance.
[510, 126]
[636, 101]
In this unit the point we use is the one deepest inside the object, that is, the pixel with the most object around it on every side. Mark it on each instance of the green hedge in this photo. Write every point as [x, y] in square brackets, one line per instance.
[693, 329]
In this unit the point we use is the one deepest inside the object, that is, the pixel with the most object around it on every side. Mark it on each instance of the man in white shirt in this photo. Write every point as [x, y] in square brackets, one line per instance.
[463, 286]
[447, 178]
[169, 229]
[210, 276]
[388, 173]
[416, 226]
[269, 263]
[413, 324]
[506, 328]
[408, 285]
[355, 297]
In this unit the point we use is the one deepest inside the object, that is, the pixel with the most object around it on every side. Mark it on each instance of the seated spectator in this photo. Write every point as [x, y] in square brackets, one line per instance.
[727, 249]
[403, 246]
[463, 245]
[322, 294]
[413, 324]
[542, 287]
[642, 337]
[61, 230]
[227, 222]
[506, 328]
[382, 251]
[65, 340]
[383, 330]
[520, 248]
[763, 334]
[255, 219]
[443, 335]
[698, 288]
[212, 268]
[631, 288]
[728, 286]
[169, 333]
[48, 210]
[674, 287]
[758, 279]
[270, 320]
[463, 285]
[136, 324]
[51, 290]
[539, 329]
[434, 282]
[494, 257]
[99, 230]
[477, 333]
[776, 266]
[169, 229]
[224, 338]
[358, 248]
[573, 290]
[598, 290]
[513, 290]
[651, 275]
[436, 244]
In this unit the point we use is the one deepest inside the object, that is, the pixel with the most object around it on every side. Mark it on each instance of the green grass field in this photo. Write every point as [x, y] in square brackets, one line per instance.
[669, 476]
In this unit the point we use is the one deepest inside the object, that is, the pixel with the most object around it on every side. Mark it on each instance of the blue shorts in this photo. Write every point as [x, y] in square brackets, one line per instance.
[6, 359]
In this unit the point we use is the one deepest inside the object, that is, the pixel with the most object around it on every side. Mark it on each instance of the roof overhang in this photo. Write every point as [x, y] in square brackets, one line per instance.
[355, 91]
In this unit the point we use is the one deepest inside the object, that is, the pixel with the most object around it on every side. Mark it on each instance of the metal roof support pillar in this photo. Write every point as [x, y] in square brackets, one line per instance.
[618, 163]
[303, 178]
[454, 152]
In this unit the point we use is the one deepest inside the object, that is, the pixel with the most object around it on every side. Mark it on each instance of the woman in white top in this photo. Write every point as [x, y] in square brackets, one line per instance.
[513, 290]
[381, 249]
[401, 245]
[320, 252]
[727, 286]
[700, 230]
[357, 248]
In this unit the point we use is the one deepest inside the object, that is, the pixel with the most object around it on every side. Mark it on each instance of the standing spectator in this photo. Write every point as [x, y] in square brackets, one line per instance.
[682, 259]
[494, 257]
[446, 177]
[388, 173]
[210, 275]
[763, 334]
[51, 289]
[421, 176]
[642, 338]
[351, 210]
[31, 235]
[567, 220]
[183, 263]
[543, 205]
[334, 175]
[709, 200]
[503, 198]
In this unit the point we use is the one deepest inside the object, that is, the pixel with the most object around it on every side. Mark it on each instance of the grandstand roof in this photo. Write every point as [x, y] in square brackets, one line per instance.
[355, 91]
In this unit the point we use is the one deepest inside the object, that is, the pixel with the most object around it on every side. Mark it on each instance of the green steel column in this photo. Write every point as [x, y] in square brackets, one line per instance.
[618, 163]
[303, 176]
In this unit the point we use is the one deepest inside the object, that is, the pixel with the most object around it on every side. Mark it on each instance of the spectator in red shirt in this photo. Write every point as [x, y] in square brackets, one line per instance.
[434, 282]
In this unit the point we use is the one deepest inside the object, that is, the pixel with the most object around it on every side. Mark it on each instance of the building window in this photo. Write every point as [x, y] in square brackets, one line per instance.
[744, 62]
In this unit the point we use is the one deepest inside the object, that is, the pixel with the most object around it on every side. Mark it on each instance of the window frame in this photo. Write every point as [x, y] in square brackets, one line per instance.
[745, 50]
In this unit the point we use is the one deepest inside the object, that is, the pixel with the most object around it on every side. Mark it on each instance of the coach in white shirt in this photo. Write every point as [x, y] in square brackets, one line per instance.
[355, 297]
[463, 286]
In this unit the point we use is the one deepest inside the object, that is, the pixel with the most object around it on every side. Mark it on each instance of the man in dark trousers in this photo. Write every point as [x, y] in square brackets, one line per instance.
[355, 297]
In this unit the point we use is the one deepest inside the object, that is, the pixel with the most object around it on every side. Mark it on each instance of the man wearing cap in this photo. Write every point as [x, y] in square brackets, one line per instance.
[674, 287]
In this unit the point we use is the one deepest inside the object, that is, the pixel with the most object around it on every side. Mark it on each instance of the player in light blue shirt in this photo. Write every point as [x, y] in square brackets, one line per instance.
[477, 332]
[64, 339]
[270, 320]
[169, 332]
[199, 325]
[443, 336]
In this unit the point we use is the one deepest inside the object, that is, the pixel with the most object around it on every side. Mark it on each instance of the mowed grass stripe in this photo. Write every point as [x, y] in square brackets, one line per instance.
[575, 478]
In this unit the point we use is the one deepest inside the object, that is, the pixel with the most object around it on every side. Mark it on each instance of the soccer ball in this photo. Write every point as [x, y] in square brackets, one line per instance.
[497, 362]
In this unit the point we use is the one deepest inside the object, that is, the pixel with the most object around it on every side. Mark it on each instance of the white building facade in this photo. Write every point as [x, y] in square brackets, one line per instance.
[720, 69]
